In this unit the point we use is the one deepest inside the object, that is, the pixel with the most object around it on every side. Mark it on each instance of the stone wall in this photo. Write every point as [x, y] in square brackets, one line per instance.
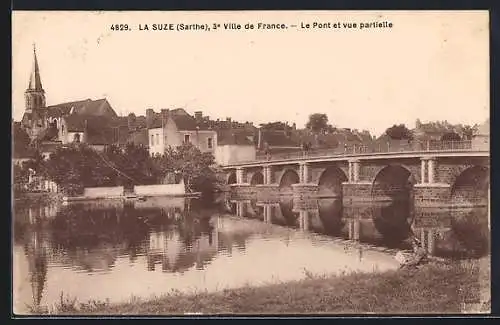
[431, 194]
[304, 190]
[164, 189]
[356, 192]
[102, 192]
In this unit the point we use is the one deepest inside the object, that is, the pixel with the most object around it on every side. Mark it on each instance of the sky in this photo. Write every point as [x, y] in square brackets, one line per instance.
[429, 65]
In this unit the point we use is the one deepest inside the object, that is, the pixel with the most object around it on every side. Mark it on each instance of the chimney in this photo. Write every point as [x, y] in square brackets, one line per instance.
[164, 115]
[198, 115]
[150, 114]
[131, 121]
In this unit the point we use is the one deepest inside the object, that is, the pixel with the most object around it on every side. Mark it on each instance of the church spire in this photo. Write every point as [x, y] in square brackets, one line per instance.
[35, 80]
[34, 95]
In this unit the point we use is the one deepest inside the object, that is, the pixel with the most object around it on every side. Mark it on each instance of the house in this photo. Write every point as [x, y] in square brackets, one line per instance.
[234, 146]
[481, 136]
[172, 128]
[275, 141]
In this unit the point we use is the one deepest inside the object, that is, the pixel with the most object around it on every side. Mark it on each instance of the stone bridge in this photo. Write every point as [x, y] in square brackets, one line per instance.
[447, 177]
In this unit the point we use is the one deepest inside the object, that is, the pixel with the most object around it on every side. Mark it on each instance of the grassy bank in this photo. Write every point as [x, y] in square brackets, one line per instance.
[433, 288]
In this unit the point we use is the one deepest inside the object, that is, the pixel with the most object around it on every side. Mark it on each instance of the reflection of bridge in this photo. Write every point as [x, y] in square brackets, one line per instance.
[439, 175]
[444, 230]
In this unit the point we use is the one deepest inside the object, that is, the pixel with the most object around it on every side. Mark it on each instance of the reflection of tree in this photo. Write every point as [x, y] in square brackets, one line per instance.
[93, 238]
[228, 240]
[185, 243]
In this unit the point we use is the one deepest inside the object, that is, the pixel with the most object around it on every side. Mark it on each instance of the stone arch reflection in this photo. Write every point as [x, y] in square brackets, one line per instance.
[393, 203]
[393, 221]
[287, 216]
[330, 213]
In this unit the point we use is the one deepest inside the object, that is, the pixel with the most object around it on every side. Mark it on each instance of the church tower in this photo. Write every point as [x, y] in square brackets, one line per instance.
[34, 95]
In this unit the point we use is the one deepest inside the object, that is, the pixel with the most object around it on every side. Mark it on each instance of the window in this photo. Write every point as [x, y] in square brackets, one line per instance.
[165, 139]
[152, 139]
[76, 138]
[210, 145]
[186, 138]
[157, 138]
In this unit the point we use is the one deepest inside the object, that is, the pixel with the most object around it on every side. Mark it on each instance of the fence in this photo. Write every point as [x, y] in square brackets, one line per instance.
[390, 147]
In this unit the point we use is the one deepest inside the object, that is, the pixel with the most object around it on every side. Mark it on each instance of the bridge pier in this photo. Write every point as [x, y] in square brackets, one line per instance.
[428, 192]
[304, 188]
[354, 193]
[354, 226]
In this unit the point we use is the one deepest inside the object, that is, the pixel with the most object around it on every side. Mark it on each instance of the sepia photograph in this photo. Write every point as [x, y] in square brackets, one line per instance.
[250, 163]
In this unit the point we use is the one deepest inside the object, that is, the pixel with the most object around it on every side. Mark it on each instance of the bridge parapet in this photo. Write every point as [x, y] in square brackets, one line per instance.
[364, 150]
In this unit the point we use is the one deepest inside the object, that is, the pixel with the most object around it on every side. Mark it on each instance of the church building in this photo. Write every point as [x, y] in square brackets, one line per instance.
[90, 121]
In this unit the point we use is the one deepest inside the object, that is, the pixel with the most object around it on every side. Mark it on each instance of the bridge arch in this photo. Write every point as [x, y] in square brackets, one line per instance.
[393, 182]
[330, 182]
[471, 186]
[231, 178]
[257, 178]
[392, 202]
[288, 177]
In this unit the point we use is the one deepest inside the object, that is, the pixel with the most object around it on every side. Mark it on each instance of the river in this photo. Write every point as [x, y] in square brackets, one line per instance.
[115, 250]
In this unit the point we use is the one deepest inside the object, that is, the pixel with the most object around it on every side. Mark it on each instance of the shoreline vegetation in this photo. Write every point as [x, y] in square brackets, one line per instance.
[435, 287]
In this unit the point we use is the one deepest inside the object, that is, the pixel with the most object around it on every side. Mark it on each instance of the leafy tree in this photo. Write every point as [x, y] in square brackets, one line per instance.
[450, 136]
[467, 131]
[196, 168]
[318, 123]
[19, 179]
[71, 168]
[20, 141]
[399, 132]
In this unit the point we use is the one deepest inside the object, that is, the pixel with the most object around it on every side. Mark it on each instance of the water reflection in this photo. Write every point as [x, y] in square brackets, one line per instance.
[447, 232]
[113, 249]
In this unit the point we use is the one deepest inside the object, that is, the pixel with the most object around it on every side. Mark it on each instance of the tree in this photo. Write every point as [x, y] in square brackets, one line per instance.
[467, 132]
[450, 136]
[19, 179]
[318, 123]
[399, 132]
[196, 168]
[21, 141]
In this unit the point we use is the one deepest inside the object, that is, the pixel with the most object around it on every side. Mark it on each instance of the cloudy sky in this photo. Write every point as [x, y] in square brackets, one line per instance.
[429, 65]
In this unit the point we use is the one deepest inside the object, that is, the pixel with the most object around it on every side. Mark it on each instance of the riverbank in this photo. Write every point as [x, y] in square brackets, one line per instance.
[432, 288]
[36, 199]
